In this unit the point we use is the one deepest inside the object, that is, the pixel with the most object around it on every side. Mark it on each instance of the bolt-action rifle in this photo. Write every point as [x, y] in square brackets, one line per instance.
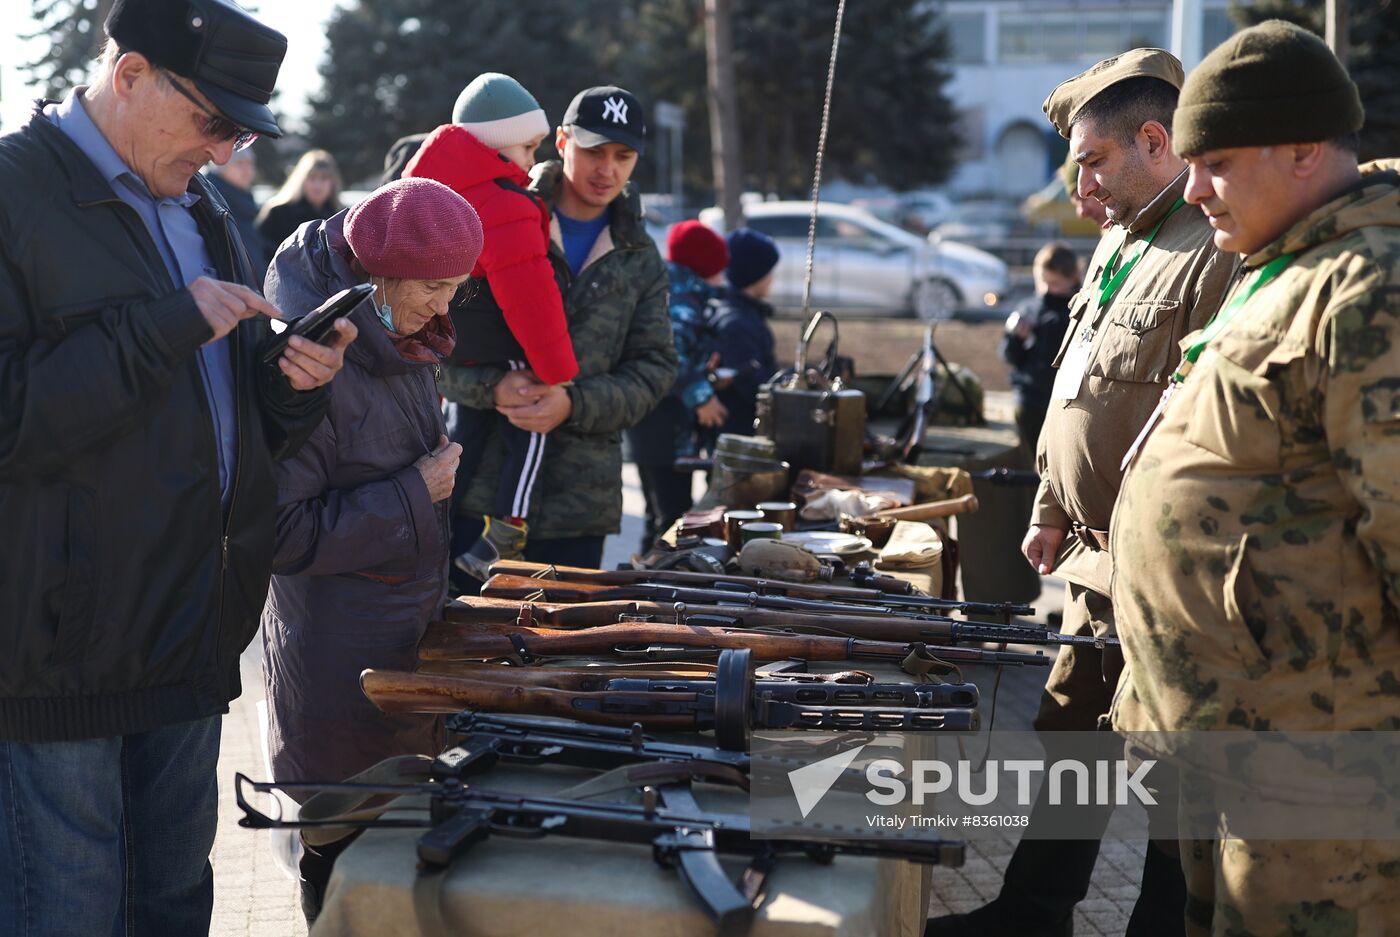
[752, 610]
[750, 584]
[472, 634]
[873, 627]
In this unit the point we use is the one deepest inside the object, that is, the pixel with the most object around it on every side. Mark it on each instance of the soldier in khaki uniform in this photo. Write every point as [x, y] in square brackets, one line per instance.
[1154, 277]
[1257, 536]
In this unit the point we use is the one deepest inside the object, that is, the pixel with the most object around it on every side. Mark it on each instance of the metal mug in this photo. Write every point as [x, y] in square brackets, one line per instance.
[760, 530]
[733, 520]
[783, 513]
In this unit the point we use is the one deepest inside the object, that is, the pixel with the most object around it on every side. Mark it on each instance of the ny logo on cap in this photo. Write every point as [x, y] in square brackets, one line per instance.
[615, 109]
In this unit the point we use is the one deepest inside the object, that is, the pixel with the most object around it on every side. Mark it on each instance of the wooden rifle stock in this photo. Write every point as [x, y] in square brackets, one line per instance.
[394, 691]
[508, 586]
[588, 678]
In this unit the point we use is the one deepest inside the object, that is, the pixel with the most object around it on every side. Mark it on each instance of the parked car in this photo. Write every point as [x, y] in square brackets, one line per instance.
[984, 222]
[915, 212]
[865, 266]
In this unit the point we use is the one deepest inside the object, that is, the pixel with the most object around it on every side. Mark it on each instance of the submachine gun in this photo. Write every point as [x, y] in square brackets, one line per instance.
[731, 704]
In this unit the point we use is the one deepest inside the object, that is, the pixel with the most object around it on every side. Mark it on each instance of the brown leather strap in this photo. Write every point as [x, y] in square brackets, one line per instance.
[1091, 537]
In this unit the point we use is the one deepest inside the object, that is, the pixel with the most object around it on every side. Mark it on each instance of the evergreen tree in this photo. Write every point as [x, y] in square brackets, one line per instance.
[891, 121]
[396, 66]
[74, 31]
[1374, 61]
[75, 37]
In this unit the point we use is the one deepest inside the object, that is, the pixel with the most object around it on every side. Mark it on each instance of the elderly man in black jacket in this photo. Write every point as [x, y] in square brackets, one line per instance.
[137, 434]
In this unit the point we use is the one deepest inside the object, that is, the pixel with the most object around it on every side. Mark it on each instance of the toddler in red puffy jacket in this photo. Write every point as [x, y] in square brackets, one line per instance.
[512, 313]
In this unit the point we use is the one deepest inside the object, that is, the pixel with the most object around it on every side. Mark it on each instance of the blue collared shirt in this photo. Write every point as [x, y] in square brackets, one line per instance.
[176, 235]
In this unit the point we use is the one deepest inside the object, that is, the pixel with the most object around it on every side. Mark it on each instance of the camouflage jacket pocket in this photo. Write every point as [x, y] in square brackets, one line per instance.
[1138, 343]
[1246, 619]
[1235, 413]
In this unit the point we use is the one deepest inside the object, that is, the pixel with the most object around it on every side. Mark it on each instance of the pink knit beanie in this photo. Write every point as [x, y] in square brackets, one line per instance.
[414, 229]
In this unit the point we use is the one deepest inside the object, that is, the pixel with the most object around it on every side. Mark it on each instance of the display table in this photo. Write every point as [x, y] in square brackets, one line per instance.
[582, 888]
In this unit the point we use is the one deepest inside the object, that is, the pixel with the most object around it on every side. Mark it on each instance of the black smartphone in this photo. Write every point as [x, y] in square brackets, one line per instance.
[317, 325]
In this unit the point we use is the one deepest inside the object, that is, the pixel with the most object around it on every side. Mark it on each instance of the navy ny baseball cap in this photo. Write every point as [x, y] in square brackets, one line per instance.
[607, 114]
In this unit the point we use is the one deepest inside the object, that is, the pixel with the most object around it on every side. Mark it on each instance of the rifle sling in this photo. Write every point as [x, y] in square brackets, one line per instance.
[522, 657]
[350, 806]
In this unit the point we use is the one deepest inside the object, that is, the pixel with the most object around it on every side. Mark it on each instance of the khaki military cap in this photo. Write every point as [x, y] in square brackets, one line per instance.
[1070, 96]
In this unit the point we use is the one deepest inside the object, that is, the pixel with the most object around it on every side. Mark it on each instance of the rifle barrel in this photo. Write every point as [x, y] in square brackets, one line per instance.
[683, 606]
[465, 640]
[546, 575]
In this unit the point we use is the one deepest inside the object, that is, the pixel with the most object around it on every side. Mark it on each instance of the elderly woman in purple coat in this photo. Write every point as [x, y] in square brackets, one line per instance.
[362, 525]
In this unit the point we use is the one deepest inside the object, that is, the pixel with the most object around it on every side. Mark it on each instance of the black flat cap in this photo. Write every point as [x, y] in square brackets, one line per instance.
[229, 56]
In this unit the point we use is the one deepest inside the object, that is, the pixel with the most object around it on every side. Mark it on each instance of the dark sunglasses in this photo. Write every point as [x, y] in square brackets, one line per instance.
[216, 126]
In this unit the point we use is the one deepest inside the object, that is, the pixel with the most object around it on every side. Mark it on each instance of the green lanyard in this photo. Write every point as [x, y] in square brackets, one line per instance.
[1108, 285]
[1217, 324]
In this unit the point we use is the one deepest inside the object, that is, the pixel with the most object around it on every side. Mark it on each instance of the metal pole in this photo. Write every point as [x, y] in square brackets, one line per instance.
[677, 177]
[1187, 32]
[1339, 28]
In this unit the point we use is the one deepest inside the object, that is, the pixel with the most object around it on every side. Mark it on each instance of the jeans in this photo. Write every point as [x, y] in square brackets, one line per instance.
[110, 836]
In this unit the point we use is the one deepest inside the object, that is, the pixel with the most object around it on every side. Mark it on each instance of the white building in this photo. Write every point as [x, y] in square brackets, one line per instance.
[1007, 56]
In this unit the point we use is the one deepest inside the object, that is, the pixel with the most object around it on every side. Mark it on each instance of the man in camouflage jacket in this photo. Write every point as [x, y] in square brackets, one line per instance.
[1257, 535]
[621, 330]
[1153, 278]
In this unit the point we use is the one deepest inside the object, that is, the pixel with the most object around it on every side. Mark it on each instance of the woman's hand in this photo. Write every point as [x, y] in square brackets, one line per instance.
[439, 469]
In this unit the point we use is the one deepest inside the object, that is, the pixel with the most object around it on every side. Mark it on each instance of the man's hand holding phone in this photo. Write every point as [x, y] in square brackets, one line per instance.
[306, 364]
[309, 364]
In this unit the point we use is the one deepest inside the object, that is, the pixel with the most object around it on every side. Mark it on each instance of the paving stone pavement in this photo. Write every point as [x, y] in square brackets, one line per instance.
[253, 897]
[1114, 887]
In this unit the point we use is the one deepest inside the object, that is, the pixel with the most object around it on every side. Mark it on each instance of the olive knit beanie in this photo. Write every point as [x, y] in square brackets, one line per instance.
[1270, 84]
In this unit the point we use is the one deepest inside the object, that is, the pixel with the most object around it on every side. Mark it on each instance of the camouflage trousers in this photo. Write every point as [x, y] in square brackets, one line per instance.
[1079, 689]
[1291, 888]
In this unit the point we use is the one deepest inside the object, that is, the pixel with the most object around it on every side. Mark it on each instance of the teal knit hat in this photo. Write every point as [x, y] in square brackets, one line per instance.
[499, 112]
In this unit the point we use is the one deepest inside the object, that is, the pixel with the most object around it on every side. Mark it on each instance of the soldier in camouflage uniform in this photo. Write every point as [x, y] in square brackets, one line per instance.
[1154, 277]
[616, 304]
[1257, 538]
